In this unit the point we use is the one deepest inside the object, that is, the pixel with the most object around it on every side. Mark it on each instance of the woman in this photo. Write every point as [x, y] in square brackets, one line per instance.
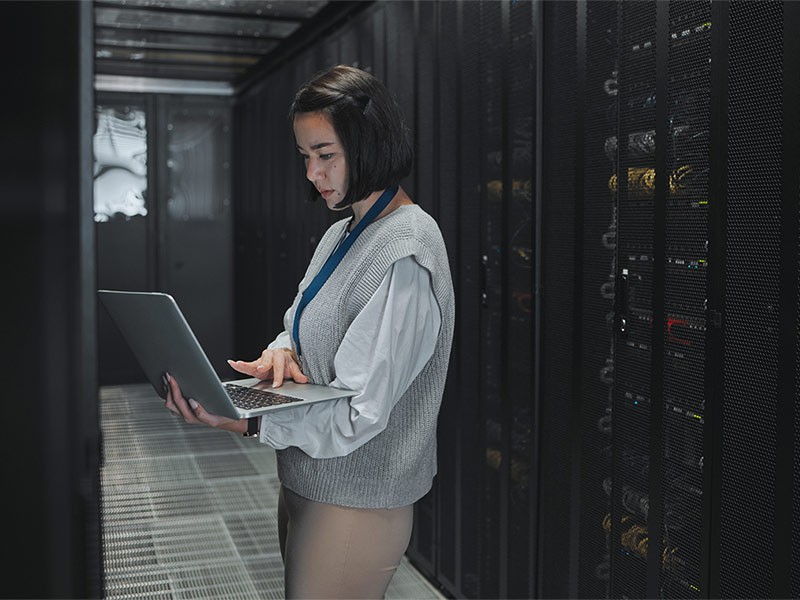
[380, 322]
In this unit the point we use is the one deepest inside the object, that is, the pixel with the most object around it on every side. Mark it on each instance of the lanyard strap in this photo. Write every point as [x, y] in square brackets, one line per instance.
[335, 258]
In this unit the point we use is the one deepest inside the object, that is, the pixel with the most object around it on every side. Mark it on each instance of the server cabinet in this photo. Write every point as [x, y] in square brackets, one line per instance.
[756, 422]
[662, 197]
[163, 216]
[480, 143]
[703, 384]
[648, 129]
[597, 274]
[195, 237]
[123, 181]
[469, 111]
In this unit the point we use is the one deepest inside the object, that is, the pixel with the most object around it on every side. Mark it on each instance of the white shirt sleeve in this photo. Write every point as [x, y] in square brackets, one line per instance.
[284, 340]
[383, 351]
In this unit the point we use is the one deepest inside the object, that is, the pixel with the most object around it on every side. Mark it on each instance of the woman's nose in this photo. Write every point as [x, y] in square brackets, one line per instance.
[312, 170]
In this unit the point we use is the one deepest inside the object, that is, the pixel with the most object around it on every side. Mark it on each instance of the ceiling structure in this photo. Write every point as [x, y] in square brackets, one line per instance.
[200, 45]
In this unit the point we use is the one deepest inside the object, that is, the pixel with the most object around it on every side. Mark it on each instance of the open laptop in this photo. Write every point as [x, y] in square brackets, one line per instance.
[163, 342]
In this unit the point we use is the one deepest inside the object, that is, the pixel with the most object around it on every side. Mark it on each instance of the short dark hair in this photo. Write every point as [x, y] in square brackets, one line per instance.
[369, 123]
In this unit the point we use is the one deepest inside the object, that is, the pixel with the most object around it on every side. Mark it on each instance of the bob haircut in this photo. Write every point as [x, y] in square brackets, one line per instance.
[369, 123]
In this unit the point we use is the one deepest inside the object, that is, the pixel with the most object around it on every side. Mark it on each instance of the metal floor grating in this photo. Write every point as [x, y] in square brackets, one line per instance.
[190, 512]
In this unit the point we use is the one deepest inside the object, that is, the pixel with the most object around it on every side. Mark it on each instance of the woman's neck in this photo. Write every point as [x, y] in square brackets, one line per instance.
[361, 207]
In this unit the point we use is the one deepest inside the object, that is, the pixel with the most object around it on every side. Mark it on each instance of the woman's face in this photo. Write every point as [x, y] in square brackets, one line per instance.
[323, 155]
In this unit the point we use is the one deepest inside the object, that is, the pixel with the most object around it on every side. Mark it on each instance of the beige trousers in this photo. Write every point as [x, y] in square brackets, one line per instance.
[333, 551]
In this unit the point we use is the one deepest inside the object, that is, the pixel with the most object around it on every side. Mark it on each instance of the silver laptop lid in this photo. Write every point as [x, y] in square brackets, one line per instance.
[162, 341]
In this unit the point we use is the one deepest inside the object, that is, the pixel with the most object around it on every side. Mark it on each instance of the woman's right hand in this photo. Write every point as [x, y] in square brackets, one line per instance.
[276, 364]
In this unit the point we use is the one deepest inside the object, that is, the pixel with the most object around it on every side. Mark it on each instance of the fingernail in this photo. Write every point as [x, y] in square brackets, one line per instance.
[193, 404]
[169, 377]
[260, 368]
[274, 384]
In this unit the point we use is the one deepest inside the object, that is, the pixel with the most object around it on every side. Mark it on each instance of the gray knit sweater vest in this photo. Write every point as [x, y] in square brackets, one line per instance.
[396, 467]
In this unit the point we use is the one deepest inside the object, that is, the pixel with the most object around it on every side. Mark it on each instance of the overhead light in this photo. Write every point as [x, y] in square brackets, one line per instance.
[154, 85]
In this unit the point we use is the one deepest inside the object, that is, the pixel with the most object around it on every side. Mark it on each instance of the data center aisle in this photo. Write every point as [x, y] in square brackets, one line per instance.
[190, 512]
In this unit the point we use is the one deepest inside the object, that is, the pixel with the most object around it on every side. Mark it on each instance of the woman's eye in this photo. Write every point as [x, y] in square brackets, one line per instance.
[326, 156]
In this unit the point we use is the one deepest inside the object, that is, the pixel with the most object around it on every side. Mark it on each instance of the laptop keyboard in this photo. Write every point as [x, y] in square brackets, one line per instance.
[248, 398]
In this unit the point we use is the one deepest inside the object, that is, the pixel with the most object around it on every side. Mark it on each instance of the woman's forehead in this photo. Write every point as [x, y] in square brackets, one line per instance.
[316, 124]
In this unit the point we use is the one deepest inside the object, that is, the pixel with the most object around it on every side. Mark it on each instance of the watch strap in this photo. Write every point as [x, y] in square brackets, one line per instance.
[252, 427]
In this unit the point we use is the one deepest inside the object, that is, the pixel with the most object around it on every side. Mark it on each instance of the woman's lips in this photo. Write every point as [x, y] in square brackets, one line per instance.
[326, 194]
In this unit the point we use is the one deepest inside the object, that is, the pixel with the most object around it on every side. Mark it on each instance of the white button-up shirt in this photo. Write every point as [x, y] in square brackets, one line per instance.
[383, 351]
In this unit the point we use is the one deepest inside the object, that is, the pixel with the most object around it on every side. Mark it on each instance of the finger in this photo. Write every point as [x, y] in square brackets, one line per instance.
[297, 374]
[277, 372]
[202, 415]
[168, 403]
[180, 402]
[265, 364]
[248, 368]
[260, 368]
[186, 412]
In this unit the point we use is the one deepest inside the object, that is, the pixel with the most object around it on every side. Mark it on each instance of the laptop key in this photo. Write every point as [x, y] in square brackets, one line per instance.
[248, 398]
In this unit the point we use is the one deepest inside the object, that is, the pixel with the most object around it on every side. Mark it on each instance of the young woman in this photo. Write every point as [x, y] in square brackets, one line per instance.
[378, 319]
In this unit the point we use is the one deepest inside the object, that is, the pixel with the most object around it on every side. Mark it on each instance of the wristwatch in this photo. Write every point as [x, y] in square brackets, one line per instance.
[252, 427]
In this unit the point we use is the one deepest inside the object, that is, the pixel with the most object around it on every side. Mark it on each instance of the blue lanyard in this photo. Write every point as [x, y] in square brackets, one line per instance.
[335, 258]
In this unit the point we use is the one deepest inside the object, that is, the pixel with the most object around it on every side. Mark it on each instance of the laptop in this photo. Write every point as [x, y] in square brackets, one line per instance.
[162, 342]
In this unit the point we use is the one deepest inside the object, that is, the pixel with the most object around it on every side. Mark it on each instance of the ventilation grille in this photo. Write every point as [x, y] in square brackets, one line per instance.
[686, 237]
[519, 77]
[190, 512]
[637, 60]
[751, 299]
[599, 267]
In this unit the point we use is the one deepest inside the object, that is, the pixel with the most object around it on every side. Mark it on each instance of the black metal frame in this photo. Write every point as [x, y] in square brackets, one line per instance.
[86, 346]
[655, 484]
[575, 409]
[52, 443]
[709, 583]
[535, 544]
[506, 374]
[620, 315]
[788, 305]
[178, 10]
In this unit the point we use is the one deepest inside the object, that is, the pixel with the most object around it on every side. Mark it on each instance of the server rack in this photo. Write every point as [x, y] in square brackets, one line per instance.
[704, 384]
[598, 274]
[756, 427]
[468, 108]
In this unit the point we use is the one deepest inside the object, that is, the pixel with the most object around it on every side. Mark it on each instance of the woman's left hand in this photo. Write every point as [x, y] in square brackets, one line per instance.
[192, 412]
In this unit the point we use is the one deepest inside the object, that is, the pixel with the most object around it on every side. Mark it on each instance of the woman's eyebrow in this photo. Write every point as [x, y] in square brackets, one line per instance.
[317, 146]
